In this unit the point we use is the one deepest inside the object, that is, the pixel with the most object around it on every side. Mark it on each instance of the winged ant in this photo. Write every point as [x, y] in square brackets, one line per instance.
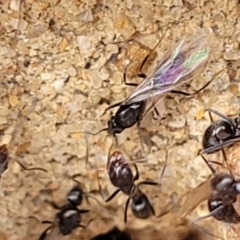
[221, 133]
[176, 68]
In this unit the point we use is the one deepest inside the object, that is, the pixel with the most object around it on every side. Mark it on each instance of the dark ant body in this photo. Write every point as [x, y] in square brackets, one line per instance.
[155, 87]
[225, 190]
[3, 159]
[221, 133]
[125, 117]
[69, 216]
[121, 176]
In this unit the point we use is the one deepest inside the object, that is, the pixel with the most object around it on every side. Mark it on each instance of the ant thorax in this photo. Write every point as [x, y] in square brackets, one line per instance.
[119, 171]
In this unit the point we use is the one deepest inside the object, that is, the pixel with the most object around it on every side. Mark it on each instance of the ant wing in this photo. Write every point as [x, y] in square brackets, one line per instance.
[220, 146]
[178, 66]
[194, 197]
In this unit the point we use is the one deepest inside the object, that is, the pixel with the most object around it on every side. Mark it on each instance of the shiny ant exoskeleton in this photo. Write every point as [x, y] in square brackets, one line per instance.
[69, 216]
[121, 176]
[221, 133]
[225, 189]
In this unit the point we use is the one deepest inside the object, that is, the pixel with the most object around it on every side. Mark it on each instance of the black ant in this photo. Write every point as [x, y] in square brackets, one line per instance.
[153, 89]
[224, 191]
[69, 216]
[121, 176]
[221, 133]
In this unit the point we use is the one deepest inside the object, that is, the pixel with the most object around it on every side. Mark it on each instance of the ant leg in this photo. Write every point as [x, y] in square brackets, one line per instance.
[125, 210]
[148, 183]
[199, 90]
[112, 106]
[159, 117]
[212, 213]
[209, 165]
[53, 204]
[46, 222]
[111, 196]
[44, 234]
[152, 209]
[30, 169]
[81, 226]
[137, 173]
[140, 74]
[225, 160]
[210, 116]
[82, 211]
[229, 120]
[87, 150]
[141, 141]
[125, 78]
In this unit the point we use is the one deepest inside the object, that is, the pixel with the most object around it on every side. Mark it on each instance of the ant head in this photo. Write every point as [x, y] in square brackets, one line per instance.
[68, 219]
[141, 207]
[113, 128]
[213, 204]
[75, 195]
[222, 212]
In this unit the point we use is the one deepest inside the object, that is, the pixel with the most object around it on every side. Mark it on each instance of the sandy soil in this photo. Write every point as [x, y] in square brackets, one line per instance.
[62, 64]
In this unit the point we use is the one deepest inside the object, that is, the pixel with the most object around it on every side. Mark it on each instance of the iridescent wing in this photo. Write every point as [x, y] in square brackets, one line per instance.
[179, 65]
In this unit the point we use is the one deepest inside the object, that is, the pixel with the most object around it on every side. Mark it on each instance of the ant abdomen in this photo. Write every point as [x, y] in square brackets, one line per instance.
[141, 207]
[120, 173]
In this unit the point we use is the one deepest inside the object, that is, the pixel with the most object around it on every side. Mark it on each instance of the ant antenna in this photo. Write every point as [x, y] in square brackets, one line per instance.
[227, 119]
[204, 230]
[166, 160]
[30, 169]
[93, 134]
[209, 165]
[112, 106]
[225, 160]
[87, 149]
[210, 214]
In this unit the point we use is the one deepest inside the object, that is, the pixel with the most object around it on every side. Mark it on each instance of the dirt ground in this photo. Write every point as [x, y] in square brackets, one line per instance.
[62, 64]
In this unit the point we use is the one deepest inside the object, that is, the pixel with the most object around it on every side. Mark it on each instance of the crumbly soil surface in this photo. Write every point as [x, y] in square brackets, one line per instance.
[62, 64]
